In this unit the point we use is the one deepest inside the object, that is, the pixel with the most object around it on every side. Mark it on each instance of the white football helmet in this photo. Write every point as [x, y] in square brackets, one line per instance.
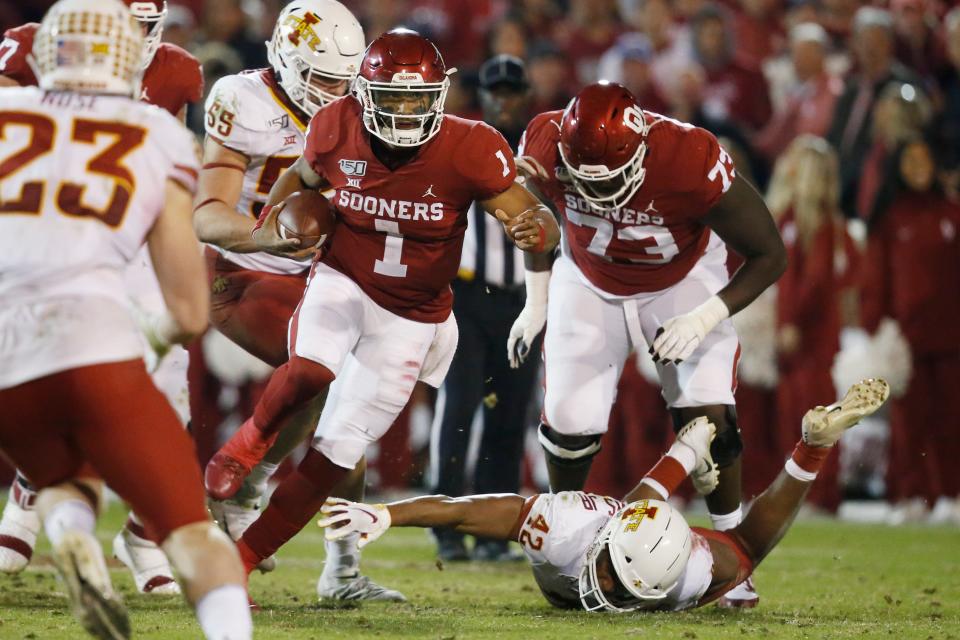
[150, 14]
[92, 46]
[649, 544]
[315, 42]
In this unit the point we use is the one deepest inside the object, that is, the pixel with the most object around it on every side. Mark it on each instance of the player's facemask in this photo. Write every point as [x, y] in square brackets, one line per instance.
[405, 112]
[605, 189]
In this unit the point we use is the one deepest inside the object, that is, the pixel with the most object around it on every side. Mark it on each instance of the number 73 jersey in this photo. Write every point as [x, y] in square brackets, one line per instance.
[651, 243]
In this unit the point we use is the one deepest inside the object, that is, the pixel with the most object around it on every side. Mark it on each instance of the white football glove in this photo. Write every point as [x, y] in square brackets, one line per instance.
[529, 323]
[697, 435]
[680, 336]
[344, 517]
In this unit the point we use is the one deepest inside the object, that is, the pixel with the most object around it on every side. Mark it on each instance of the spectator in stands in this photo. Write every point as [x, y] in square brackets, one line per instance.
[628, 62]
[758, 31]
[901, 112]
[850, 130]
[912, 274]
[916, 43]
[225, 21]
[809, 104]
[508, 37]
[731, 90]
[671, 41]
[550, 78]
[591, 27]
[805, 191]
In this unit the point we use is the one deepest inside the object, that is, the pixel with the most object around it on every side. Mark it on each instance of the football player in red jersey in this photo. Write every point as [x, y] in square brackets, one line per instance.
[647, 204]
[376, 315]
[171, 79]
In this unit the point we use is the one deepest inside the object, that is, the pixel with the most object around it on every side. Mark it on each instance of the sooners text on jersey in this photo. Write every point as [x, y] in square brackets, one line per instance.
[400, 232]
[172, 80]
[653, 242]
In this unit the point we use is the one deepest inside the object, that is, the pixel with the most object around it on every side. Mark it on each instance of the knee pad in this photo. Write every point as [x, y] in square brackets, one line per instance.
[564, 450]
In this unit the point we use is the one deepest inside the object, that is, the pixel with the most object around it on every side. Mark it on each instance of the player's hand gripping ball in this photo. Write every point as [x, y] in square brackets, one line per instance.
[306, 216]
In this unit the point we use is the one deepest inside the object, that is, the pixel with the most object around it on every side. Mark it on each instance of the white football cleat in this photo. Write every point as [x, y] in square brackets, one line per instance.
[823, 426]
[147, 562]
[356, 588]
[742, 596]
[18, 535]
[234, 518]
[80, 562]
[698, 434]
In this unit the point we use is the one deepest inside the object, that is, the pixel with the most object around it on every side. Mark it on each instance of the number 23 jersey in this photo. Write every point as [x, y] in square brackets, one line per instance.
[652, 242]
[400, 232]
[557, 531]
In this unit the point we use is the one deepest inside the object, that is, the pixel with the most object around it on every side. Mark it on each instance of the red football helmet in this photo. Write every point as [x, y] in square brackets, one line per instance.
[150, 15]
[602, 144]
[402, 86]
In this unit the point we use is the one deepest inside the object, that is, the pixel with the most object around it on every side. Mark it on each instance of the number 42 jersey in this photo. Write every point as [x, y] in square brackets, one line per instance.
[557, 530]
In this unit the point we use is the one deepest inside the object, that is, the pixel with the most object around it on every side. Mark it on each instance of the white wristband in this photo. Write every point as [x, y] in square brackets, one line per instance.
[165, 328]
[712, 312]
[538, 284]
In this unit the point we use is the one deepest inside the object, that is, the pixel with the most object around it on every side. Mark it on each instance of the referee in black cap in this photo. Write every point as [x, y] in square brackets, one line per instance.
[488, 295]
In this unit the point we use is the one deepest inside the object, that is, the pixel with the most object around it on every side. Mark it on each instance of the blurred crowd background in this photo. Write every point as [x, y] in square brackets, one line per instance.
[846, 114]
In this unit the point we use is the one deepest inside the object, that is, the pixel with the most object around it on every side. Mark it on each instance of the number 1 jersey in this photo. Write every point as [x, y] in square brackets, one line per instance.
[400, 232]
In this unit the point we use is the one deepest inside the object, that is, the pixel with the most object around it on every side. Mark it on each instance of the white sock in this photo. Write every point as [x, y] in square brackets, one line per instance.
[727, 520]
[69, 515]
[224, 614]
[343, 557]
[255, 485]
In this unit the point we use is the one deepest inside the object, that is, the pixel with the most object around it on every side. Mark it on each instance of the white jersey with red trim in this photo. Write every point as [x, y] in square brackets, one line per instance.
[250, 114]
[82, 181]
[561, 527]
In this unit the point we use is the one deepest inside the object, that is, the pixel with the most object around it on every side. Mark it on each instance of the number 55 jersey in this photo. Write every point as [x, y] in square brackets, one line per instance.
[83, 181]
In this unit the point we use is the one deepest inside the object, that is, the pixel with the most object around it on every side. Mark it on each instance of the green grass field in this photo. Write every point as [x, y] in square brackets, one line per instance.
[827, 580]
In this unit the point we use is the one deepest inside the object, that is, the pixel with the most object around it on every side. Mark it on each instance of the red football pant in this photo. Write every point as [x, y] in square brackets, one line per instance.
[295, 501]
[111, 417]
[253, 308]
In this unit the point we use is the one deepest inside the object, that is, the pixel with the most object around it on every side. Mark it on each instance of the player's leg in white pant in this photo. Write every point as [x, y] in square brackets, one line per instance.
[69, 519]
[586, 344]
[213, 580]
[19, 527]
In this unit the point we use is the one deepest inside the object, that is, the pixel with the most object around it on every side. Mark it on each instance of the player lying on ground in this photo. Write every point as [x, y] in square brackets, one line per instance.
[602, 554]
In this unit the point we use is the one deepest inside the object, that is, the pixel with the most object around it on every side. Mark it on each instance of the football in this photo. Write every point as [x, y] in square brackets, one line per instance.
[306, 215]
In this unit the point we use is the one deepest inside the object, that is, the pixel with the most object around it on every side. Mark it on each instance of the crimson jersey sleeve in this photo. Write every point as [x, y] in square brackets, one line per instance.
[173, 79]
[539, 145]
[704, 169]
[16, 46]
[486, 162]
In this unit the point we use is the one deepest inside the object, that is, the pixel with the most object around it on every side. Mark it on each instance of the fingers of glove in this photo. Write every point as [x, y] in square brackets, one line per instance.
[511, 350]
[664, 346]
[336, 534]
[336, 520]
[332, 505]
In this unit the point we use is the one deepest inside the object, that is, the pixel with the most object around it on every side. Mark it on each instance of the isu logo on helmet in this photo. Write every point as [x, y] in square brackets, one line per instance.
[647, 556]
[603, 144]
[89, 46]
[315, 51]
[402, 87]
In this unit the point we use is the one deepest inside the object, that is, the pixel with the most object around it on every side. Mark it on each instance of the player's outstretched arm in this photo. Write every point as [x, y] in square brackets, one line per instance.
[215, 216]
[178, 263]
[742, 220]
[487, 516]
